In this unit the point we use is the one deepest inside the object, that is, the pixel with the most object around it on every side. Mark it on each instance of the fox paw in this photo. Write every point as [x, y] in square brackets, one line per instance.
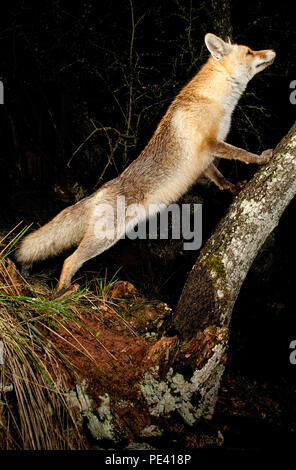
[235, 188]
[226, 185]
[240, 185]
[265, 156]
[25, 270]
[232, 188]
[61, 294]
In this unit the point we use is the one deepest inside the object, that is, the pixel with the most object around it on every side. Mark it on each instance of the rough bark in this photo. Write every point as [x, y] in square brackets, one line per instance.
[222, 19]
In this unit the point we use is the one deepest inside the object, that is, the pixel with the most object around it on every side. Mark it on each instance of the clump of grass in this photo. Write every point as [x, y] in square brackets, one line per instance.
[7, 248]
[33, 409]
[103, 286]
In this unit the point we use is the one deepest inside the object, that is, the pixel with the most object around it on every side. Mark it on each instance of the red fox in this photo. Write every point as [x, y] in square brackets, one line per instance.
[188, 138]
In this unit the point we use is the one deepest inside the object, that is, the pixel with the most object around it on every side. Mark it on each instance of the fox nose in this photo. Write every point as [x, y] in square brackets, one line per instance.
[272, 54]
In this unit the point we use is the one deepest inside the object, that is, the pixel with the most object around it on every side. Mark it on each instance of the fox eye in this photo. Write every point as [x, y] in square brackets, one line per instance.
[250, 52]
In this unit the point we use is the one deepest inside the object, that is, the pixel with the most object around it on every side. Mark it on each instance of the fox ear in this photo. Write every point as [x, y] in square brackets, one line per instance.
[217, 47]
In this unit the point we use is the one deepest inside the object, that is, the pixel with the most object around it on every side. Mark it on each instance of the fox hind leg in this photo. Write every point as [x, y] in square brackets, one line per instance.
[94, 242]
[103, 231]
[214, 175]
[88, 249]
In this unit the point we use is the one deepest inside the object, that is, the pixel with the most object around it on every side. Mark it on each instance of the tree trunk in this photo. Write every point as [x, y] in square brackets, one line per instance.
[222, 19]
[205, 307]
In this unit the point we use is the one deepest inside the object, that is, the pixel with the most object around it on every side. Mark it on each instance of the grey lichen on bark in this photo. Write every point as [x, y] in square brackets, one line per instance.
[175, 393]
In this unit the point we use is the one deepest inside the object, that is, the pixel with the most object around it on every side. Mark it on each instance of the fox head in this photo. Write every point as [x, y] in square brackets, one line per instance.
[240, 62]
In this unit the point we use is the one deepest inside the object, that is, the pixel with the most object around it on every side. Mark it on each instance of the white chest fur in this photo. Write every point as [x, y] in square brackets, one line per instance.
[237, 85]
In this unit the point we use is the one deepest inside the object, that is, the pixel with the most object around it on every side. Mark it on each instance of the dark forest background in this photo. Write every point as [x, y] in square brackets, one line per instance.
[86, 84]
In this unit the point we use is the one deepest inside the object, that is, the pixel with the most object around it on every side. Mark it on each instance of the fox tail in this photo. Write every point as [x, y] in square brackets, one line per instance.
[61, 233]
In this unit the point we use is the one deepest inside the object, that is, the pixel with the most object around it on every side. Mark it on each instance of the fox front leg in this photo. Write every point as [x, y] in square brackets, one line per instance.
[224, 150]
